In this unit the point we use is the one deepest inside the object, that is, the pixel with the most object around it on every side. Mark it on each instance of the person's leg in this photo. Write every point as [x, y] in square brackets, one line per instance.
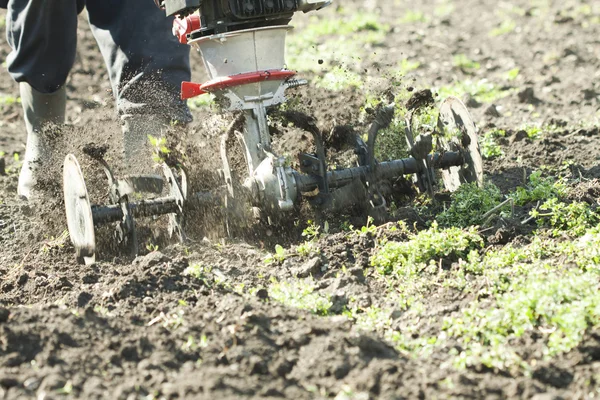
[40, 110]
[42, 35]
[146, 65]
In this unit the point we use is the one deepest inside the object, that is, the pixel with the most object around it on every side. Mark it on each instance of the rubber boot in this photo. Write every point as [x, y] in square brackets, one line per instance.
[40, 110]
[141, 142]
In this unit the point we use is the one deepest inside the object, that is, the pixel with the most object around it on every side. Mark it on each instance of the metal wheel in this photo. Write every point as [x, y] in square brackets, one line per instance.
[457, 132]
[79, 212]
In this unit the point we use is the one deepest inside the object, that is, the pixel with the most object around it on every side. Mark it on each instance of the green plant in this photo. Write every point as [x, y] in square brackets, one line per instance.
[431, 245]
[312, 231]
[368, 229]
[307, 249]
[405, 66]
[174, 320]
[411, 17]
[279, 255]
[373, 319]
[193, 345]
[339, 78]
[67, 389]
[391, 143]
[481, 90]
[489, 147]
[105, 312]
[151, 247]
[573, 219]
[533, 132]
[346, 33]
[160, 148]
[171, 320]
[512, 74]
[345, 24]
[346, 226]
[464, 63]
[200, 102]
[200, 272]
[6, 100]
[507, 26]
[539, 188]
[559, 305]
[300, 294]
[55, 243]
[444, 9]
[469, 205]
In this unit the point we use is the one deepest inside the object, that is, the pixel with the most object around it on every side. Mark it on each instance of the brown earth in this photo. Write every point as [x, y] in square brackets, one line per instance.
[142, 329]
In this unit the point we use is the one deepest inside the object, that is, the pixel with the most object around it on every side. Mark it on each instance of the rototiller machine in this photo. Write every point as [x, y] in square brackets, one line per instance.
[242, 43]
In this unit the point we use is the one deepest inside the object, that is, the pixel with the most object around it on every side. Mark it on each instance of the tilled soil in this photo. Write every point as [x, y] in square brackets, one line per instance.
[142, 328]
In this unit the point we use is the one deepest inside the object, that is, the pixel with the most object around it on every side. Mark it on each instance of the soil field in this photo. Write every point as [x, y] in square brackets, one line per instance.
[461, 296]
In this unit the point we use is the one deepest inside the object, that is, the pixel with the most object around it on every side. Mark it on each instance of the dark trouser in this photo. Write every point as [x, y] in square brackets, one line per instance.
[146, 64]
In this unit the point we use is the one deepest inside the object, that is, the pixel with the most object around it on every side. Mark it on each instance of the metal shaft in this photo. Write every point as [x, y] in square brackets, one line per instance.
[305, 183]
[385, 170]
[159, 206]
[145, 208]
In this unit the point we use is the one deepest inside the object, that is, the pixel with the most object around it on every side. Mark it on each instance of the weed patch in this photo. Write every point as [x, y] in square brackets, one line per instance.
[405, 66]
[201, 102]
[426, 247]
[506, 27]
[465, 64]
[489, 147]
[412, 17]
[539, 188]
[279, 255]
[469, 205]
[307, 48]
[339, 78]
[7, 101]
[391, 142]
[482, 90]
[571, 219]
[300, 294]
[559, 305]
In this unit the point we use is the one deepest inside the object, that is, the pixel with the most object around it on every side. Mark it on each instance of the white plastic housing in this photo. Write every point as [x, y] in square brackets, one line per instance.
[248, 50]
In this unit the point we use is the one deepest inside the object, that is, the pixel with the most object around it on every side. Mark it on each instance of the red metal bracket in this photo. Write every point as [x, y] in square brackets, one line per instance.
[191, 89]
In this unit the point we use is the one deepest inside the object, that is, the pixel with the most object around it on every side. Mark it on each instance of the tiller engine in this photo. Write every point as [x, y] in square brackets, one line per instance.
[242, 43]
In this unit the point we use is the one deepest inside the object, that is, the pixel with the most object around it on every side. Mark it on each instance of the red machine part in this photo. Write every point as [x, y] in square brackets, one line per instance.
[183, 26]
[191, 89]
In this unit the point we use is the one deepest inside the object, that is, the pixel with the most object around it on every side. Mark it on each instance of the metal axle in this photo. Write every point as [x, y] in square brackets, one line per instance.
[384, 170]
[305, 183]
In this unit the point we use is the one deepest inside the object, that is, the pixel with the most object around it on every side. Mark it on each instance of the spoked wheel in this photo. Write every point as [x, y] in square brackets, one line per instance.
[457, 132]
[79, 212]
